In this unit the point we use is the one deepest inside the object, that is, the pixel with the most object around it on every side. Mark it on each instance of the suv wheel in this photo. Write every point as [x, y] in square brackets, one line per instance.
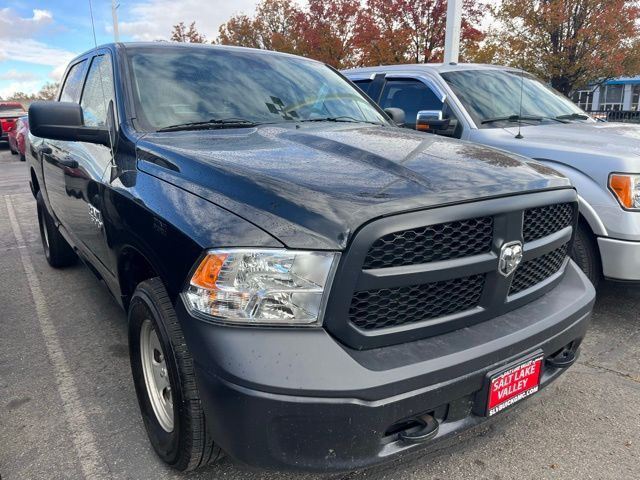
[56, 249]
[165, 382]
[585, 254]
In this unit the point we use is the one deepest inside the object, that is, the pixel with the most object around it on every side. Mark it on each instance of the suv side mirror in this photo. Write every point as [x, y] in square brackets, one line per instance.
[431, 121]
[396, 115]
[64, 121]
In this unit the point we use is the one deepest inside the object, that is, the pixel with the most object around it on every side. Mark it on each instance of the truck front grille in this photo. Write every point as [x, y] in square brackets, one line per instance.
[431, 243]
[390, 307]
[429, 276]
[542, 221]
[530, 273]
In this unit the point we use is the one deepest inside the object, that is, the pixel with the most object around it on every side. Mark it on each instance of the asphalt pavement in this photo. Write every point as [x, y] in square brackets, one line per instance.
[68, 408]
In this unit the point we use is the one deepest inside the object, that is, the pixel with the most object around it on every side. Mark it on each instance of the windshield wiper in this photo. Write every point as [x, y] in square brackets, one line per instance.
[210, 124]
[341, 118]
[512, 118]
[573, 116]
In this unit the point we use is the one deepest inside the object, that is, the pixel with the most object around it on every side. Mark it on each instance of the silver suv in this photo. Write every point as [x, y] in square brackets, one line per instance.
[511, 109]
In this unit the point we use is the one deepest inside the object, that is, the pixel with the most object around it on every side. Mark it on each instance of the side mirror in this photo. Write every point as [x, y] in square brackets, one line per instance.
[431, 121]
[64, 121]
[396, 115]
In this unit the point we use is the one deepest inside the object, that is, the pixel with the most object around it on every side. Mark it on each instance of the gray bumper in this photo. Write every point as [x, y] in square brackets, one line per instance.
[620, 259]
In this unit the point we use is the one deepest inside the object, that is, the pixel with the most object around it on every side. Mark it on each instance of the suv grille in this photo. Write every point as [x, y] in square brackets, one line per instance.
[535, 271]
[432, 243]
[542, 221]
[390, 307]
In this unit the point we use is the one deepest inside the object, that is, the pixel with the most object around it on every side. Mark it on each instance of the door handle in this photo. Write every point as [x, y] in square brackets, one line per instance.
[70, 163]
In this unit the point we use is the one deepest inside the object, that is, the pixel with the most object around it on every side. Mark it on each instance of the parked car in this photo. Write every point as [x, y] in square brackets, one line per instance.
[9, 113]
[308, 286]
[17, 137]
[512, 110]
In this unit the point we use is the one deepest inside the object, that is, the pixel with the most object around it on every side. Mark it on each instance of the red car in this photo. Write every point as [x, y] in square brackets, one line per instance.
[17, 137]
[9, 113]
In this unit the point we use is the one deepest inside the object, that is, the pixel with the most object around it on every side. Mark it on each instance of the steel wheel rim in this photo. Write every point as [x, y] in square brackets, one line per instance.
[156, 376]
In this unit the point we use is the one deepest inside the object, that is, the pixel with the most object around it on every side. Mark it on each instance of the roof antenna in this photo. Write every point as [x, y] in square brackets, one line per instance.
[519, 135]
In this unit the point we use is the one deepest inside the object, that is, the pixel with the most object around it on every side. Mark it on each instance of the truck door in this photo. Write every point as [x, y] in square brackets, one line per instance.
[56, 162]
[92, 162]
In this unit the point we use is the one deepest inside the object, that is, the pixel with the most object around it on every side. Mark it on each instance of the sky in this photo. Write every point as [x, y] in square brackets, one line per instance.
[38, 38]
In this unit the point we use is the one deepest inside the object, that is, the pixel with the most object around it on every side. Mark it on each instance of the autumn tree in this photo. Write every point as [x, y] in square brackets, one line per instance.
[567, 42]
[181, 33]
[398, 31]
[275, 26]
[329, 29]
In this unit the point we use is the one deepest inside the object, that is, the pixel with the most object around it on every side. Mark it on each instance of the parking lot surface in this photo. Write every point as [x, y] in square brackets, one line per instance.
[68, 407]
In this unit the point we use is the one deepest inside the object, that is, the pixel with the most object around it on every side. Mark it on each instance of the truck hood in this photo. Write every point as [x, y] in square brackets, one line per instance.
[313, 185]
[610, 140]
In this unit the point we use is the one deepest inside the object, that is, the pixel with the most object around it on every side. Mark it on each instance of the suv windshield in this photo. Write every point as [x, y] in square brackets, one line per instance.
[492, 98]
[175, 86]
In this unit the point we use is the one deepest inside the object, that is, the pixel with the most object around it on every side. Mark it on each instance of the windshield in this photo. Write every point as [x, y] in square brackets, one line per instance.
[492, 96]
[182, 85]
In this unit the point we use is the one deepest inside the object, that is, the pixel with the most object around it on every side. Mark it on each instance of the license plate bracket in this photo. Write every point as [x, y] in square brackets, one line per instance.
[511, 383]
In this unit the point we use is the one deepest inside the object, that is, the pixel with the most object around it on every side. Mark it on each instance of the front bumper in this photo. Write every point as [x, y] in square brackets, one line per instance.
[297, 399]
[620, 259]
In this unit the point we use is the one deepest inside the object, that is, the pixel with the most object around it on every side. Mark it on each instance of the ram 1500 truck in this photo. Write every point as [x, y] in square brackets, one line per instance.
[308, 286]
[510, 109]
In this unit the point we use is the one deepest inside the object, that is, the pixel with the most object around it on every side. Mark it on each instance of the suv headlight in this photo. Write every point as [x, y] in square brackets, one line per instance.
[263, 287]
[626, 188]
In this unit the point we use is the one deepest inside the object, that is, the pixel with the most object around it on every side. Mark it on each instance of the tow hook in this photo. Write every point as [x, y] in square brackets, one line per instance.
[425, 432]
[563, 359]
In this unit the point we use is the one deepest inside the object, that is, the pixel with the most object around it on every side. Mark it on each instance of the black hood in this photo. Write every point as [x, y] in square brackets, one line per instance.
[313, 185]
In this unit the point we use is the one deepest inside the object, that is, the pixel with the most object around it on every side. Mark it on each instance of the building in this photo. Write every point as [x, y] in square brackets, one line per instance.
[618, 94]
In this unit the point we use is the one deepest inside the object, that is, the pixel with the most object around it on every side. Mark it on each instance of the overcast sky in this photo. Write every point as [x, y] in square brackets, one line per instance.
[38, 38]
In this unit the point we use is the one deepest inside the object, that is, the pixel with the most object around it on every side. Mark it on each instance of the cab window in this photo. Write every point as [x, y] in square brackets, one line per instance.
[411, 96]
[363, 85]
[98, 92]
[73, 83]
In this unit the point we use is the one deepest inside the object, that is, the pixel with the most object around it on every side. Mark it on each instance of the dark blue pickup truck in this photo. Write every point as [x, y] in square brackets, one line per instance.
[308, 286]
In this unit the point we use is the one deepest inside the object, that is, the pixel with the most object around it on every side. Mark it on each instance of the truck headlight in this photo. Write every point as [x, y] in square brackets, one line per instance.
[626, 188]
[262, 287]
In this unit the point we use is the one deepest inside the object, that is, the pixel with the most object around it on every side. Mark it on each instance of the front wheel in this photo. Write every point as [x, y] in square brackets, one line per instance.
[585, 254]
[165, 382]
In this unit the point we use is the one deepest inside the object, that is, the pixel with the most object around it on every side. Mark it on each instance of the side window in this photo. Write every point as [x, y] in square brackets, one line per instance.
[411, 96]
[73, 83]
[98, 91]
[363, 85]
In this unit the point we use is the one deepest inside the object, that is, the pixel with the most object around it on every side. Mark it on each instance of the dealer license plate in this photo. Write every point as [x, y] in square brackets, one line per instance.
[515, 384]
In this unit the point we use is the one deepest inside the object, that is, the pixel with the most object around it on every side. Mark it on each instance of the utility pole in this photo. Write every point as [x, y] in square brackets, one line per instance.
[452, 36]
[114, 15]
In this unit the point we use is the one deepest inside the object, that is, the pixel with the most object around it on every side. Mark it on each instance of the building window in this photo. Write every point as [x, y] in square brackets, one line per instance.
[583, 98]
[612, 97]
[635, 97]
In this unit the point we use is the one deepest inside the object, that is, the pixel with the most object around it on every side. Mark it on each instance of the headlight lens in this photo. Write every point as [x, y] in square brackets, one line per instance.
[263, 287]
[626, 188]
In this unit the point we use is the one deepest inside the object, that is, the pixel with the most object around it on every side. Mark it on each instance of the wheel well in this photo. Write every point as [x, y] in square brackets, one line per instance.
[35, 186]
[133, 268]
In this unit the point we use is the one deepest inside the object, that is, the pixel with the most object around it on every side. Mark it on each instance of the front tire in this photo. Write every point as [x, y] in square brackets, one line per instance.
[56, 249]
[165, 382]
[585, 253]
